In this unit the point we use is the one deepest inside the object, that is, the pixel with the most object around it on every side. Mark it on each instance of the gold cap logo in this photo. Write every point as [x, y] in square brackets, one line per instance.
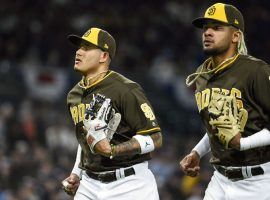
[106, 46]
[211, 10]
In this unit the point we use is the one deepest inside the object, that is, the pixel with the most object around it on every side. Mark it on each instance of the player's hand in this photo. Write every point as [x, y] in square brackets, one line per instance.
[103, 148]
[235, 142]
[71, 184]
[95, 120]
[191, 164]
[227, 119]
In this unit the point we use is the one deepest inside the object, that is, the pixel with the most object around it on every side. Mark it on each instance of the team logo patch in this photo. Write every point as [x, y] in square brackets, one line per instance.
[148, 111]
[211, 10]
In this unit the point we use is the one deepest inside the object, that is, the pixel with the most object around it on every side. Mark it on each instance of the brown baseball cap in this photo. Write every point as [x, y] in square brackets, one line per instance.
[98, 37]
[224, 13]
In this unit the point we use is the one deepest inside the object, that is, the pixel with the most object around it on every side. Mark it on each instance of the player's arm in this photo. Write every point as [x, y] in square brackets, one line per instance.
[190, 164]
[71, 183]
[138, 113]
[138, 144]
[76, 170]
[259, 139]
[261, 88]
[103, 148]
[203, 146]
[261, 93]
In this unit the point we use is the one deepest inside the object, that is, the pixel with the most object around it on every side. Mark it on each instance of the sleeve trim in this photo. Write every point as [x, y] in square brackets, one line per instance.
[149, 130]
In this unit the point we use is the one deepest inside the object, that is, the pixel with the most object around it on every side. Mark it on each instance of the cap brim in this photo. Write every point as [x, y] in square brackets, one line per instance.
[77, 40]
[201, 21]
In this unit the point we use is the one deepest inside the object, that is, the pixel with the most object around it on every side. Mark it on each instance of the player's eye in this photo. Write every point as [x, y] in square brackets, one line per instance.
[217, 28]
[85, 46]
[214, 27]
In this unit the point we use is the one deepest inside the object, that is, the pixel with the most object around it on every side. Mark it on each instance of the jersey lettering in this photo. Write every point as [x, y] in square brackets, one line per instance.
[237, 93]
[77, 112]
[203, 97]
[74, 114]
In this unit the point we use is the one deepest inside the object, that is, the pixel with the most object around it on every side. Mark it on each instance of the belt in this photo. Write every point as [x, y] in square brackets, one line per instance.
[239, 173]
[107, 177]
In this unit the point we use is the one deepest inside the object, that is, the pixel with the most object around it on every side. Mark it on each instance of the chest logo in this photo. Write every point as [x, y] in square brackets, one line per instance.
[203, 97]
[77, 112]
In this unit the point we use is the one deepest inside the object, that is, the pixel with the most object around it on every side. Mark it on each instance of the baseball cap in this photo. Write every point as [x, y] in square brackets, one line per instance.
[98, 37]
[224, 13]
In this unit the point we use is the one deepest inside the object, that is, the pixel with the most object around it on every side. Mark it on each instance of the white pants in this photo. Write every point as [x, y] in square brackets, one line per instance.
[253, 188]
[141, 186]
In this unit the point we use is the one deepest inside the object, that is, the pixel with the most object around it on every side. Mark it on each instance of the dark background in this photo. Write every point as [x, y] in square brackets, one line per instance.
[156, 47]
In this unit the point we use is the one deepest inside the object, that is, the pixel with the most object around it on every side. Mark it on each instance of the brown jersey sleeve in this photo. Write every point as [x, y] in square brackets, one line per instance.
[138, 112]
[261, 89]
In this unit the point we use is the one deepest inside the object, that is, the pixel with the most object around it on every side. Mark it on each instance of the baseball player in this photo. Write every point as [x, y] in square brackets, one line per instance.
[232, 94]
[115, 126]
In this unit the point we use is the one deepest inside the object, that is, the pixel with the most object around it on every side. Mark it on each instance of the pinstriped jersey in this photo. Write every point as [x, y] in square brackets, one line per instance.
[247, 79]
[137, 117]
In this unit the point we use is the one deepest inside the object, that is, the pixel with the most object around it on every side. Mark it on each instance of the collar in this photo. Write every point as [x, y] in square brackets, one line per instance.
[204, 69]
[87, 85]
[225, 64]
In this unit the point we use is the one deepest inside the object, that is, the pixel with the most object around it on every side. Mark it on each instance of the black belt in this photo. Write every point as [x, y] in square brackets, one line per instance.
[107, 177]
[239, 173]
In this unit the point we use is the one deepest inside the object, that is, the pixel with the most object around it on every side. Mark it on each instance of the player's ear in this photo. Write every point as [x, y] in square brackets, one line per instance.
[236, 36]
[104, 57]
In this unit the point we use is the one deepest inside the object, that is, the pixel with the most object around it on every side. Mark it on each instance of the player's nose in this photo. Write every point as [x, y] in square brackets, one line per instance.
[207, 31]
[79, 52]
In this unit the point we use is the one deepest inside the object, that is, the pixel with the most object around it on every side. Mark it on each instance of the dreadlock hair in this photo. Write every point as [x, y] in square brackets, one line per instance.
[241, 47]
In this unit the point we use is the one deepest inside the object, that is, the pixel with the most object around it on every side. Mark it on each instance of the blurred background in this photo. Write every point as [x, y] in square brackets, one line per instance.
[156, 47]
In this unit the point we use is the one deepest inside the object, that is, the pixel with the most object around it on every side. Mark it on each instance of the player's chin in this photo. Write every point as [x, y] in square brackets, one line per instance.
[77, 67]
[209, 50]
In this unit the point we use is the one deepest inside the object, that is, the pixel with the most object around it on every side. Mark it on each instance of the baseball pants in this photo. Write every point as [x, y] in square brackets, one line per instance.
[253, 188]
[141, 186]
